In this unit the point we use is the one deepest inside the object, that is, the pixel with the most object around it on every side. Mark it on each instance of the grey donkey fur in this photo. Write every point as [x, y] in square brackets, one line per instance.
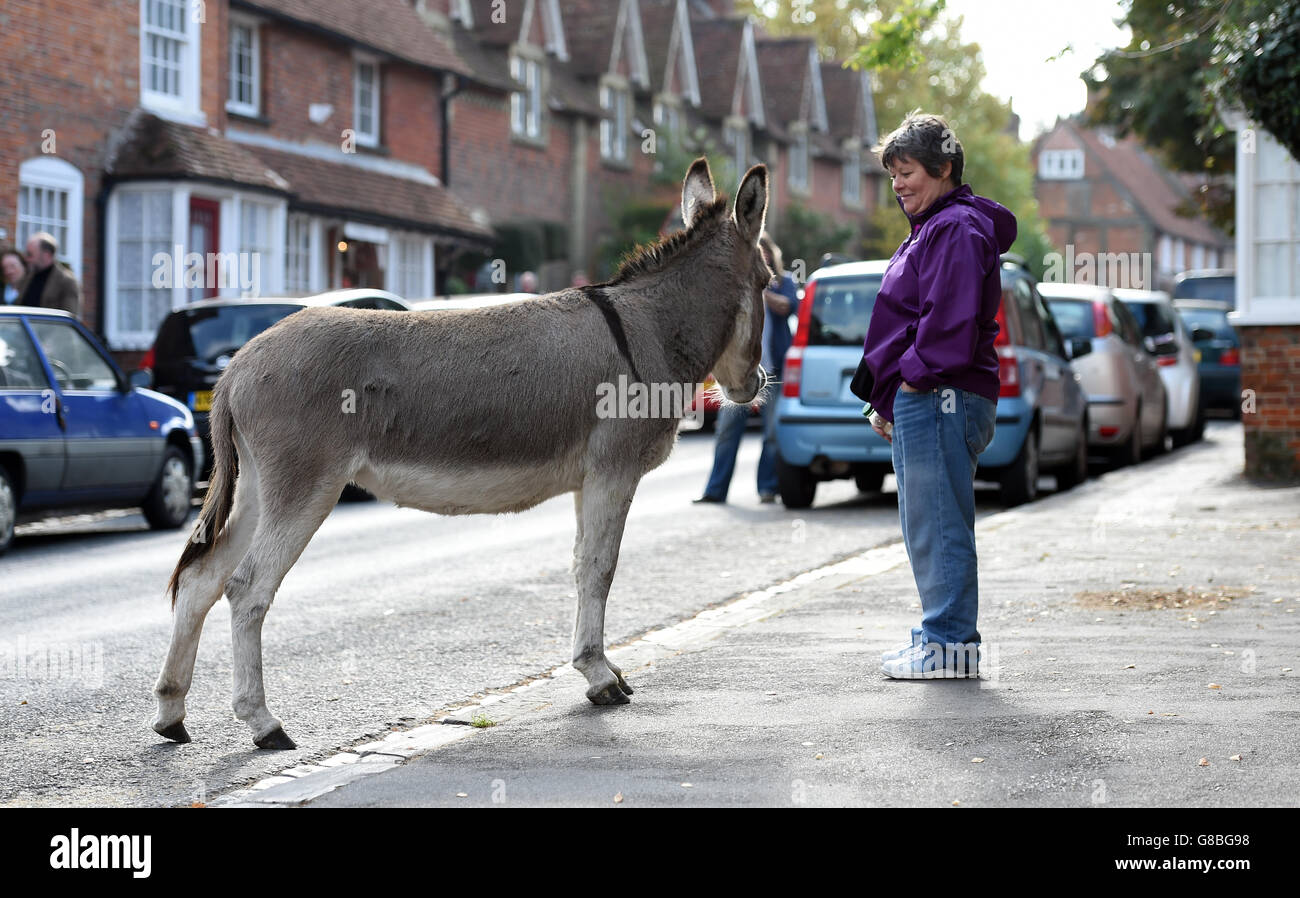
[469, 412]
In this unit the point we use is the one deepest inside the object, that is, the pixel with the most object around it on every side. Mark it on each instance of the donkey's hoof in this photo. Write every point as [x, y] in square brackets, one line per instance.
[176, 732]
[610, 695]
[276, 739]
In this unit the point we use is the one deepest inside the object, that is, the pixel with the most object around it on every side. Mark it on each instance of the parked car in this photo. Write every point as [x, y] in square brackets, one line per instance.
[75, 434]
[1126, 397]
[1170, 341]
[822, 435]
[196, 341]
[1220, 352]
[1219, 284]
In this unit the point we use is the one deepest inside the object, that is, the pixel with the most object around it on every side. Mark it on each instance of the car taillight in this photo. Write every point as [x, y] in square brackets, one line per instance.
[1100, 319]
[805, 315]
[1166, 360]
[1003, 337]
[147, 361]
[793, 370]
[1008, 372]
[1230, 356]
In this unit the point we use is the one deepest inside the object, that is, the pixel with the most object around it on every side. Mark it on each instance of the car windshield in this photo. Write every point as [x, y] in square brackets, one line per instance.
[219, 330]
[1152, 318]
[1213, 320]
[1222, 288]
[1073, 317]
[841, 310]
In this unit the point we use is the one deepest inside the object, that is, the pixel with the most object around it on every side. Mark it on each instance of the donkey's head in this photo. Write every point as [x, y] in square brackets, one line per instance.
[737, 371]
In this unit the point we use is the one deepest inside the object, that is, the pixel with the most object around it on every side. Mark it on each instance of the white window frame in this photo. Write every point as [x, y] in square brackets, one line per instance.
[303, 254]
[366, 138]
[184, 106]
[1060, 165]
[255, 55]
[800, 160]
[616, 103]
[53, 175]
[736, 139]
[1253, 306]
[526, 105]
[851, 178]
[409, 272]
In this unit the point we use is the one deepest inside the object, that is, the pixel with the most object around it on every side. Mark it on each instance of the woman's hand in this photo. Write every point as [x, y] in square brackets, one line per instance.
[882, 427]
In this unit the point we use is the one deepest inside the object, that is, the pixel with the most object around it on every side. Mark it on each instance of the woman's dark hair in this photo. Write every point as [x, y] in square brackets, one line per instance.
[927, 140]
[13, 251]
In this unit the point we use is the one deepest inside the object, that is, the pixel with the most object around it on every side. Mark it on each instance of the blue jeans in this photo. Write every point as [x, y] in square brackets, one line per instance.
[731, 427]
[938, 436]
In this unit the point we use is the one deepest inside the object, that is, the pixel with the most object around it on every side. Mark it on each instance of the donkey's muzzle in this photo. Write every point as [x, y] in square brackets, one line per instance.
[757, 381]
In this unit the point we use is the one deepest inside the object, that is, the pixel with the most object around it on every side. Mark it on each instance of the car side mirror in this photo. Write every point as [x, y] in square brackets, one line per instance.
[1077, 346]
[141, 379]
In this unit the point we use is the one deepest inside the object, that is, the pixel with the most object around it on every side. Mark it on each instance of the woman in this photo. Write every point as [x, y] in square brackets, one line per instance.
[930, 350]
[12, 268]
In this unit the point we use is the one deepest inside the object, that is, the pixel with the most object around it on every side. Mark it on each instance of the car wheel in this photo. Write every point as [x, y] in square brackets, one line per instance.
[1076, 472]
[797, 484]
[8, 510]
[167, 506]
[869, 480]
[1020, 479]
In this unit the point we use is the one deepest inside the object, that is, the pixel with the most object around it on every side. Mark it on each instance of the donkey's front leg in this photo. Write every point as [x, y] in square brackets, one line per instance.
[601, 511]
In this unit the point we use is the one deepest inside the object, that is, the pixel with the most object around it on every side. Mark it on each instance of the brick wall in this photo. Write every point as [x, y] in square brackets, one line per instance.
[1270, 380]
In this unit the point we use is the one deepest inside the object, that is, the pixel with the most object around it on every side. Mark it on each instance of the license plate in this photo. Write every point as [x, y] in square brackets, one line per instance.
[201, 400]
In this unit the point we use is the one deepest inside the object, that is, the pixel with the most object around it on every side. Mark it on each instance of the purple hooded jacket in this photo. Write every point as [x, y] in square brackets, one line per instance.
[933, 323]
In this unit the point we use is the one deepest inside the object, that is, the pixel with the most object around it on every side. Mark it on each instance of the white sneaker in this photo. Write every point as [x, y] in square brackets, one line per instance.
[898, 652]
[925, 662]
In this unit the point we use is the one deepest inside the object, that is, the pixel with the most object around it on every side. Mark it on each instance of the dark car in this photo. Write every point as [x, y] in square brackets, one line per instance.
[1218, 284]
[197, 341]
[821, 434]
[1219, 349]
[75, 434]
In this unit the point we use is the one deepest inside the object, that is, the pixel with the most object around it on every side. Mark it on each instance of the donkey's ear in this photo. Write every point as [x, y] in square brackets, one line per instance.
[697, 190]
[751, 203]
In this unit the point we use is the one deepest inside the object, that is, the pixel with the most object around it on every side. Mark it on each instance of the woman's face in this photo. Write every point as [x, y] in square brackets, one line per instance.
[915, 187]
[12, 268]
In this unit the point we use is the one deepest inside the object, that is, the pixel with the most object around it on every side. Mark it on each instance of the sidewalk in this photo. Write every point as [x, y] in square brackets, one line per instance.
[1107, 685]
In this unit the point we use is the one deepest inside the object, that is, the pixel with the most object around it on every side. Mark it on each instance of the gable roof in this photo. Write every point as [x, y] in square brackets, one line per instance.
[728, 68]
[792, 84]
[670, 48]
[538, 23]
[1147, 182]
[152, 147]
[388, 27]
[605, 37]
[850, 108]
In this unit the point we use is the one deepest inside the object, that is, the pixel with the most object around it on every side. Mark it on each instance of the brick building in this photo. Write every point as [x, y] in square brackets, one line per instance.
[1102, 196]
[312, 144]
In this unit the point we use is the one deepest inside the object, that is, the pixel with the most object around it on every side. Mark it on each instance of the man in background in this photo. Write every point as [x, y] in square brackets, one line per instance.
[47, 284]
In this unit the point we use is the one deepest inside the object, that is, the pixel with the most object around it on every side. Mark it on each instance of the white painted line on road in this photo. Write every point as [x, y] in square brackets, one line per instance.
[304, 782]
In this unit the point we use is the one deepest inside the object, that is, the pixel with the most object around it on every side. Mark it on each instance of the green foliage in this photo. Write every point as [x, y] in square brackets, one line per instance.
[635, 220]
[674, 156]
[895, 39]
[842, 28]
[1259, 67]
[805, 234]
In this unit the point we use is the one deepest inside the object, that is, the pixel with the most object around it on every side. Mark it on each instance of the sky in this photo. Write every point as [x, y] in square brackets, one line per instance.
[1017, 36]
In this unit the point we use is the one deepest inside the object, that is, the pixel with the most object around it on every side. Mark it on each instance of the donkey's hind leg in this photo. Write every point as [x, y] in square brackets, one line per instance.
[288, 521]
[200, 588]
[601, 508]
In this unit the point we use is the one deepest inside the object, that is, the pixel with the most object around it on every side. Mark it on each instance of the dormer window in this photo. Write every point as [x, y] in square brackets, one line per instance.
[668, 116]
[616, 102]
[366, 94]
[526, 103]
[851, 188]
[1060, 165]
[735, 135]
[799, 162]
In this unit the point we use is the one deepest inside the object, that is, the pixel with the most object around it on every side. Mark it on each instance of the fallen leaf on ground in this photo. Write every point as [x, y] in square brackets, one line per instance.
[1203, 762]
[618, 799]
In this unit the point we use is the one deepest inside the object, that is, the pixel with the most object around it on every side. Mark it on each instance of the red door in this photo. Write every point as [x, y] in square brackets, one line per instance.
[205, 220]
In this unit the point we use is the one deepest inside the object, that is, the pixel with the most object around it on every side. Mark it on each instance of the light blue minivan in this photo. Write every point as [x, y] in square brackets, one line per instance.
[822, 435]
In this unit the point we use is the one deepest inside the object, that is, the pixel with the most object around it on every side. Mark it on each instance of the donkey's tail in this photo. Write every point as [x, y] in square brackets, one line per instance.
[221, 493]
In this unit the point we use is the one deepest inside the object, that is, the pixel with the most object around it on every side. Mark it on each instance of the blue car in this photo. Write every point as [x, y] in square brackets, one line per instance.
[75, 434]
[822, 435]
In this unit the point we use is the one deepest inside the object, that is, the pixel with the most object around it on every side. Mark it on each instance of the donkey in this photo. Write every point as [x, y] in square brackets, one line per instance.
[424, 432]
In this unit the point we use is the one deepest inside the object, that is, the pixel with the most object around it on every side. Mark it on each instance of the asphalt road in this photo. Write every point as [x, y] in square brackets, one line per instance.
[390, 615]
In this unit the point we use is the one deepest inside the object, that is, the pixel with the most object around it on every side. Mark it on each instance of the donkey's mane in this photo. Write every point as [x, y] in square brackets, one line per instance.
[651, 257]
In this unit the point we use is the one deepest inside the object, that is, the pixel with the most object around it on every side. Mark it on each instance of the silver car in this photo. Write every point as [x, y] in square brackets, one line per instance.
[1127, 400]
[1168, 339]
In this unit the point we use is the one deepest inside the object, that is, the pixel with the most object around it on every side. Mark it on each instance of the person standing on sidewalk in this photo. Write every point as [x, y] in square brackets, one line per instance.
[929, 348]
[47, 284]
[780, 300]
